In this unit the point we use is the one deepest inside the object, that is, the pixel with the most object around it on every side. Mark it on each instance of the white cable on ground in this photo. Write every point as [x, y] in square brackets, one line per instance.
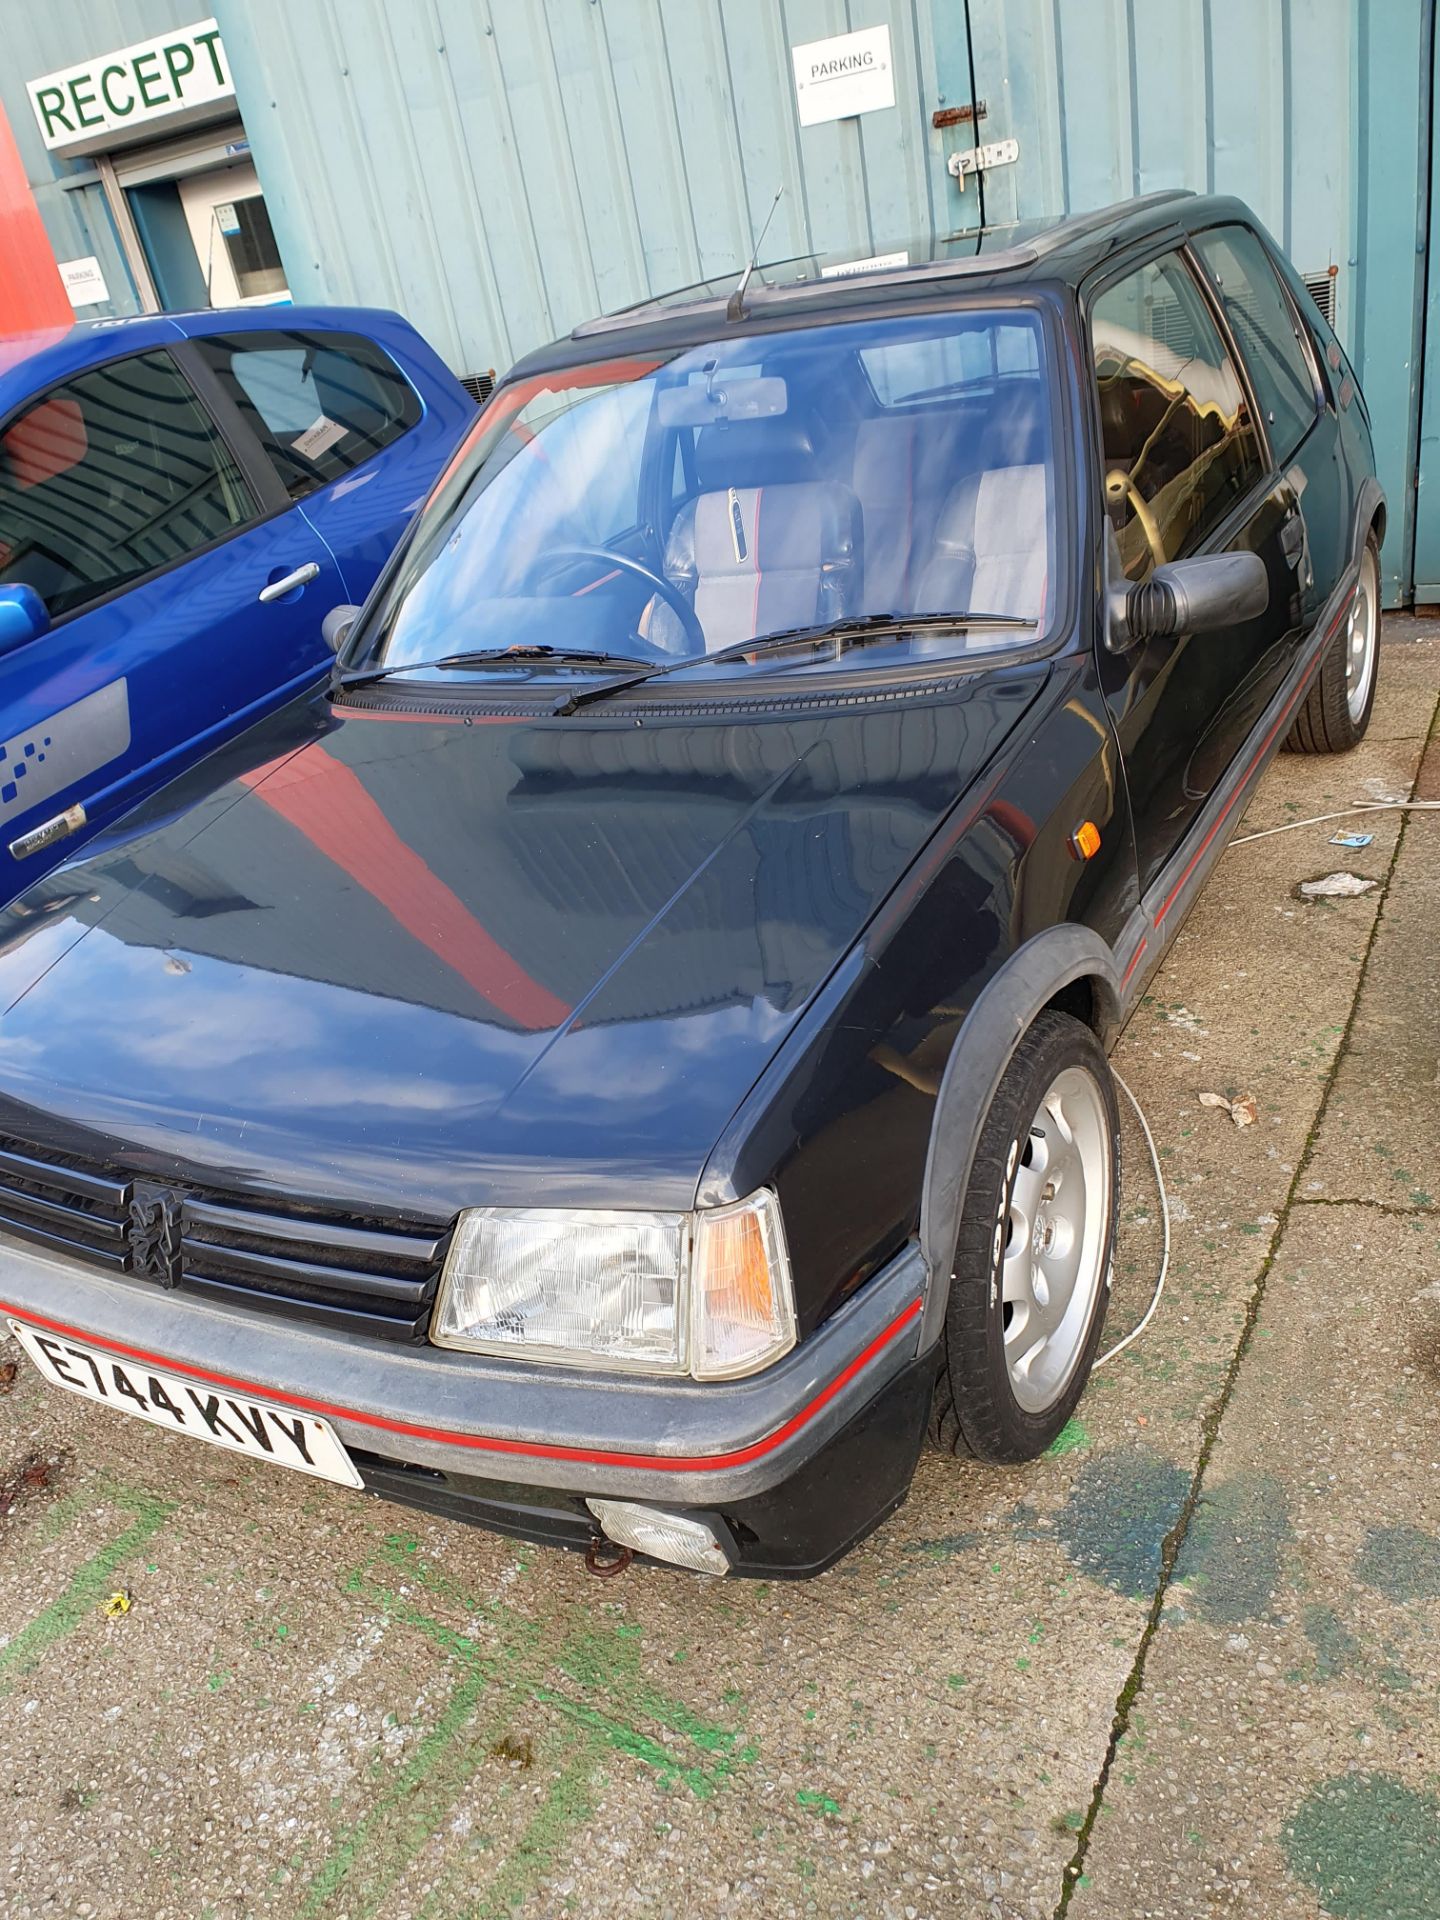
[1320, 819]
[1345, 813]
[1149, 1315]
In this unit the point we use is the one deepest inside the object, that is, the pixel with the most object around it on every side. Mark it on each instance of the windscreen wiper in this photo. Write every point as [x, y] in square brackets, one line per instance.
[857, 631]
[520, 656]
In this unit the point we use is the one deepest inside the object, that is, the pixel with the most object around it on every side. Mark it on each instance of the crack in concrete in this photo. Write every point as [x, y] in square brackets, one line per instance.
[1210, 1426]
[1375, 1206]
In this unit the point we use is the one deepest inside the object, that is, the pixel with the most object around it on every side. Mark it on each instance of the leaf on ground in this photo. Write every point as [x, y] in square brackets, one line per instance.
[1242, 1111]
[1336, 886]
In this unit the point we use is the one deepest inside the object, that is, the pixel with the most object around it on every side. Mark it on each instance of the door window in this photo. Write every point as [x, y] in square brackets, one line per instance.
[1179, 445]
[1267, 331]
[321, 403]
[113, 475]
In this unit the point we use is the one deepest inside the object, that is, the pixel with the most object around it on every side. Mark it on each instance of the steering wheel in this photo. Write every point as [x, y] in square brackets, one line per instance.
[1120, 486]
[668, 591]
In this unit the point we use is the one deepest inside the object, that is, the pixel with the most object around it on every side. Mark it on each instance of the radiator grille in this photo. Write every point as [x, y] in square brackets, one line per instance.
[354, 1275]
[64, 1208]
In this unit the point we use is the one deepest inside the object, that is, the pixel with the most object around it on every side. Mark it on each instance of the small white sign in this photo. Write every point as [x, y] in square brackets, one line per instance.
[319, 437]
[226, 217]
[876, 263]
[84, 282]
[101, 100]
[849, 74]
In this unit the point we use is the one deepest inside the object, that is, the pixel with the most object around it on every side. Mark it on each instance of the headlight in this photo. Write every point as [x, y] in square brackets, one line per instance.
[707, 1293]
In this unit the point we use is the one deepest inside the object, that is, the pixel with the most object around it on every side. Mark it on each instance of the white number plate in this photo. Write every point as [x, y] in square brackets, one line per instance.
[282, 1436]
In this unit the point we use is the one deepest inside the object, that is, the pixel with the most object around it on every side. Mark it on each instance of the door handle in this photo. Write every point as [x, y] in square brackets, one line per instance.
[301, 577]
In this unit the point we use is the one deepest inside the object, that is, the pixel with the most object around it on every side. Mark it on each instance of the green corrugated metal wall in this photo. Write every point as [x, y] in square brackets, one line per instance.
[499, 168]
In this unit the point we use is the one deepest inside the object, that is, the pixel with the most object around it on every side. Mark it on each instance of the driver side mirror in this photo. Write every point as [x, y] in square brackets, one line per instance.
[1213, 590]
[23, 616]
[335, 627]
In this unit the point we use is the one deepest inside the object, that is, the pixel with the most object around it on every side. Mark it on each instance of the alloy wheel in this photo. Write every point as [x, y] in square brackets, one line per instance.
[1361, 638]
[1057, 1233]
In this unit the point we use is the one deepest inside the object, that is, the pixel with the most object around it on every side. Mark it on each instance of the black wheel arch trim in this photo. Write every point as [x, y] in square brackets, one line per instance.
[1007, 1005]
[1369, 503]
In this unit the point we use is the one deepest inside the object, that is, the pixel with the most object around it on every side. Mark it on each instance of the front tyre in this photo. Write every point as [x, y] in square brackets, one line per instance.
[1338, 706]
[1034, 1251]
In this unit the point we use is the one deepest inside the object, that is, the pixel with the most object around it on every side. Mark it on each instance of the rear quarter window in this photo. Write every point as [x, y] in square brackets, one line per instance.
[321, 404]
[1267, 328]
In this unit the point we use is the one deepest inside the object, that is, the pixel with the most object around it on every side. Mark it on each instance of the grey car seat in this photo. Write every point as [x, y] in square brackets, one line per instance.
[992, 537]
[765, 544]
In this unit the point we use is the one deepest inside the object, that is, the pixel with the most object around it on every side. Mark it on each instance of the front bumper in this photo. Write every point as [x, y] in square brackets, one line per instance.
[801, 1460]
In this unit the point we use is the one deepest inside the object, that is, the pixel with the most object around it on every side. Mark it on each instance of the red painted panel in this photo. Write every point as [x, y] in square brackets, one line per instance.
[32, 294]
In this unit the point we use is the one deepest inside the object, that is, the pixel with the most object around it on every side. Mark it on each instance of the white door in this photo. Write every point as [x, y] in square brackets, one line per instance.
[230, 227]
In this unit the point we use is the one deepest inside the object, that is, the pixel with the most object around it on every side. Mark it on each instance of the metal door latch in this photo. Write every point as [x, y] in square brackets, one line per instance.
[999, 153]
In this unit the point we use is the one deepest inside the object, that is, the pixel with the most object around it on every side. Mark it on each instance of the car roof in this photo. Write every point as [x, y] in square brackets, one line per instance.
[32, 361]
[817, 288]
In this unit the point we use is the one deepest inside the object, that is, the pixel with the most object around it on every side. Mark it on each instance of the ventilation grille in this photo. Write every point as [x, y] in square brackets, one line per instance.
[479, 386]
[351, 1275]
[1321, 289]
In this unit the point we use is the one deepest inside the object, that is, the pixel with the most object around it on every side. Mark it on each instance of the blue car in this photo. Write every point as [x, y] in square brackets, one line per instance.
[183, 498]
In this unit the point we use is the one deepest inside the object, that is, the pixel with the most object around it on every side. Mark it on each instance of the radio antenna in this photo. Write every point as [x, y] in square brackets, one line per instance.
[735, 307]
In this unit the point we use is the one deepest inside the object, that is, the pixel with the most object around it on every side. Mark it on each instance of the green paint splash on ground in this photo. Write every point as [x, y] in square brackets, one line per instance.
[1232, 1552]
[945, 1547]
[563, 1809]
[1118, 1513]
[816, 1802]
[1370, 1847]
[1336, 1648]
[592, 1685]
[1403, 1563]
[89, 1585]
[1073, 1437]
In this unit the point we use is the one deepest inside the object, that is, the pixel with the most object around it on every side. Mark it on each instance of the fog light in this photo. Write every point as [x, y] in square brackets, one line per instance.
[677, 1537]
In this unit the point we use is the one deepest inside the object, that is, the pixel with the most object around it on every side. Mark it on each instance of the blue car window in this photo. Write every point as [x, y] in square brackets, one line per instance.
[320, 403]
[111, 476]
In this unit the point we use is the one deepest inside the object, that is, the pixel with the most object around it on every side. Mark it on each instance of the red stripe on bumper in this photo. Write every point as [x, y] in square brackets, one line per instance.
[484, 1443]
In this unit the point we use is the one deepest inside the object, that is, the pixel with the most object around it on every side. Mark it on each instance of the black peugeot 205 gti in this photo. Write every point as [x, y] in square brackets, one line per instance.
[629, 1055]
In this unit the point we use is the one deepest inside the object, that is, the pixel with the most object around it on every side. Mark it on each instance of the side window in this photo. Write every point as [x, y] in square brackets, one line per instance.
[1179, 446]
[110, 476]
[1266, 329]
[321, 403]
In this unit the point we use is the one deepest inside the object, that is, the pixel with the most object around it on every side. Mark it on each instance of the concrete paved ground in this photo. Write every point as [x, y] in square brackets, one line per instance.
[1186, 1665]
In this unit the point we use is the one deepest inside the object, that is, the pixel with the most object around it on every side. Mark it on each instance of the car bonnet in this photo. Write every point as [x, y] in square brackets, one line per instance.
[426, 962]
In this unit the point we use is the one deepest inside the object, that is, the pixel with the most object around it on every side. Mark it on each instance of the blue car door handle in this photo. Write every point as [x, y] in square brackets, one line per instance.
[301, 577]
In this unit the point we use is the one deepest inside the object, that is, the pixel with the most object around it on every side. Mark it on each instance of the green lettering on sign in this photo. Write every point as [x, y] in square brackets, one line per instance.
[210, 42]
[146, 80]
[51, 102]
[81, 100]
[111, 102]
[181, 50]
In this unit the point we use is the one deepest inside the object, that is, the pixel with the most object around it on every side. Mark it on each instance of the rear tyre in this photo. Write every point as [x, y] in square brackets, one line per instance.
[1033, 1254]
[1338, 706]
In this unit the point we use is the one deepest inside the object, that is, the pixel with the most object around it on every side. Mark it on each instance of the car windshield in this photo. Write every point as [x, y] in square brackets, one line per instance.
[666, 509]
